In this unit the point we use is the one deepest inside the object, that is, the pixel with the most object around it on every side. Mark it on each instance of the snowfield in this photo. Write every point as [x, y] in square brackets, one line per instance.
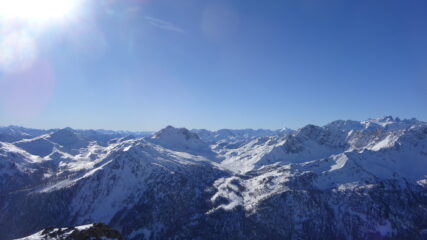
[345, 180]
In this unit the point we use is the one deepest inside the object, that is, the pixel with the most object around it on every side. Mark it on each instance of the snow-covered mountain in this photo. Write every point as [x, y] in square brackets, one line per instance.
[237, 135]
[344, 180]
[15, 133]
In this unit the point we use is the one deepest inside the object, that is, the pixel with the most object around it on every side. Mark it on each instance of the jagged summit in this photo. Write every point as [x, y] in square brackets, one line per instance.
[373, 123]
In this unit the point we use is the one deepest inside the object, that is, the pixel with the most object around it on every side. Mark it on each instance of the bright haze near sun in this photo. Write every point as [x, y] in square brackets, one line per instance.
[38, 11]
[23, 24]
[146, 64]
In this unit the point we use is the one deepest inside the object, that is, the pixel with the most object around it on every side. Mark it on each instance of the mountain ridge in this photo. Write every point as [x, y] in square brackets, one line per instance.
[302, 184]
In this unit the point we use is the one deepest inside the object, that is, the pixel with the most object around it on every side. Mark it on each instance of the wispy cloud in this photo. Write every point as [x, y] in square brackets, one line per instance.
[163, 24]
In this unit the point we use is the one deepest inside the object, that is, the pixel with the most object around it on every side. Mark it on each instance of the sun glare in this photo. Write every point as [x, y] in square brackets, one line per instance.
[37, 10]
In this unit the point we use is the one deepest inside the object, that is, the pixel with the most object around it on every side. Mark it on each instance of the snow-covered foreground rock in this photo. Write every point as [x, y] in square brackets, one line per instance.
[344, 180]
[89, 231]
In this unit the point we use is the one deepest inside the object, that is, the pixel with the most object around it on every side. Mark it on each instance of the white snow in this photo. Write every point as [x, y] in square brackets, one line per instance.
[340, 156]
[40, 236]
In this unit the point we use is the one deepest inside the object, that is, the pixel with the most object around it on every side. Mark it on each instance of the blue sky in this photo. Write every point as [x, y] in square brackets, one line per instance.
[145, 64]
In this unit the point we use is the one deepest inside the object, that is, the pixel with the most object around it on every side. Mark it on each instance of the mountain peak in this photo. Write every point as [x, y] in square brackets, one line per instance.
[172, 133]
[154, 187]
[180, 139]
[68, 137]
[309, 130]
[345, 125]
[385, 119]
[63, 133]
[390, 121]
[66, 130]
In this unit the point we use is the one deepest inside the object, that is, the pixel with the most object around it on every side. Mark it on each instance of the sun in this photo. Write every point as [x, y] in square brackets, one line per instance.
[37, 10]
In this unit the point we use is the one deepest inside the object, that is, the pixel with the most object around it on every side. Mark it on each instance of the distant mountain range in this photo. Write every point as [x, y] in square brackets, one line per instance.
[344, 180]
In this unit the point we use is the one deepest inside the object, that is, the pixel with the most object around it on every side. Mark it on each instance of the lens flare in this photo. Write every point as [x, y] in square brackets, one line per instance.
[26, 93]
[18, 50]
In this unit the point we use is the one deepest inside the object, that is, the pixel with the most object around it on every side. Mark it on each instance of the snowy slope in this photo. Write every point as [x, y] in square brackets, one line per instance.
[237, 135]
[182, 140]
[405, 161]
[344, 180]
[15, 133]
[313, 143]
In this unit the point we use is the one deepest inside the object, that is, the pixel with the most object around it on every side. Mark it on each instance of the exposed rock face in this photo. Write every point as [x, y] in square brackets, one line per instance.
[344, 180]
